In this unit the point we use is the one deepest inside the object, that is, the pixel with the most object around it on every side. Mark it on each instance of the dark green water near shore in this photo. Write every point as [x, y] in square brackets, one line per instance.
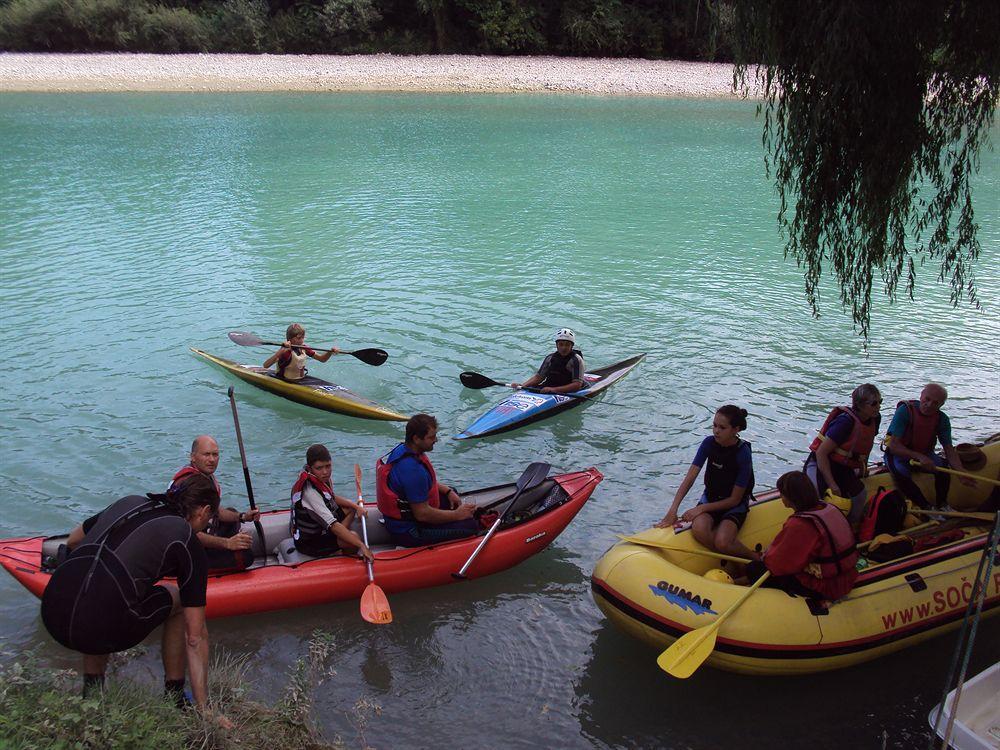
[457, 232]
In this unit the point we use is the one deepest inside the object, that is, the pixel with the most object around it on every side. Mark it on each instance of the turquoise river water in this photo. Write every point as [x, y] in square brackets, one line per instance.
[458, 233]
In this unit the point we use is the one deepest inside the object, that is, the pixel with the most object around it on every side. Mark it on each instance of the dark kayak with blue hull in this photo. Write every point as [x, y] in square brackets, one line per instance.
[525, 406]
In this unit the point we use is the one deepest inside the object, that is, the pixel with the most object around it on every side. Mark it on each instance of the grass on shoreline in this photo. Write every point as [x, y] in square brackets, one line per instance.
[42, 708]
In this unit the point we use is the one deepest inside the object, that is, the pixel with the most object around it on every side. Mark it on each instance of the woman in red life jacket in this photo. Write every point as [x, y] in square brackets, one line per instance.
[291, 357]
[838, 456]
[814, 554]
[723, 507]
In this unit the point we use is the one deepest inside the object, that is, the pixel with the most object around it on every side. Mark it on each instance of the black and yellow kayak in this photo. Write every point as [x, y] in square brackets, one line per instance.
[309, 391]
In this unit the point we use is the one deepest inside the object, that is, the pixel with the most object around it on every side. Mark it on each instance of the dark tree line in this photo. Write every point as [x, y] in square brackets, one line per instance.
[674, 29]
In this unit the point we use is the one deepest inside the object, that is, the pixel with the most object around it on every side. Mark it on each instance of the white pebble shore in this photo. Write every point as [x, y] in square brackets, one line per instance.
[427, 73]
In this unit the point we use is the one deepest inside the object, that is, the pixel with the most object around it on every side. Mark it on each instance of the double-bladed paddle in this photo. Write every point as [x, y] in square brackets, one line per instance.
[478, 381]
[532, 476]
[246, 474]
[689, 651]
[374, 604]
[374, 357]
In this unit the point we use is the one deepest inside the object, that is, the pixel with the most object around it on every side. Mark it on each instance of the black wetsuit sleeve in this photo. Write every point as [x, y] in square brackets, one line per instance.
[90, 522]
[192, 570]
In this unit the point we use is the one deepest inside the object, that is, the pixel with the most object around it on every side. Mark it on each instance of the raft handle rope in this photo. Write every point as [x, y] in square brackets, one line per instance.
[978, 598]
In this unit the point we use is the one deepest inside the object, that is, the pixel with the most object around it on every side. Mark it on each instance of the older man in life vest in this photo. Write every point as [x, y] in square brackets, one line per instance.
[226, 547]
[419, 509]
[915, 428]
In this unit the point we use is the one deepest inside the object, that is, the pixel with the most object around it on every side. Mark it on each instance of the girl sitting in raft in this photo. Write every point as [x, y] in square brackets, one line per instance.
[814, 554]
[724, 504]
[291, 357]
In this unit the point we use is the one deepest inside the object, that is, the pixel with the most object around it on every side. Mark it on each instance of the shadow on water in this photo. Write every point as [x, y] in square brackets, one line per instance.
[625, 699]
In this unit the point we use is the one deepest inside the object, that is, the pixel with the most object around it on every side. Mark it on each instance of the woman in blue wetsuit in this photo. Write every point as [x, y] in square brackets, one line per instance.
[724, 504]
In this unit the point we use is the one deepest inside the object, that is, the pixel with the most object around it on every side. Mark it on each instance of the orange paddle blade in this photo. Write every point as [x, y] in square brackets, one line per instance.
[374, 606]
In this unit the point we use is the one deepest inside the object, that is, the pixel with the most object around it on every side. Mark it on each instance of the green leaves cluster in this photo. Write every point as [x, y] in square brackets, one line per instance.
[874, 118]
[685, 29]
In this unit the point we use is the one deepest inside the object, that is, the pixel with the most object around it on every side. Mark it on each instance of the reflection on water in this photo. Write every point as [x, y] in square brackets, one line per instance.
[458, 233]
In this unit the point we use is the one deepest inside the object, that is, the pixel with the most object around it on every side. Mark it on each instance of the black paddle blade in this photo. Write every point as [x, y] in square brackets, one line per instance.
[374, 357]
[245, 338]
[477, 381]
[534, 474]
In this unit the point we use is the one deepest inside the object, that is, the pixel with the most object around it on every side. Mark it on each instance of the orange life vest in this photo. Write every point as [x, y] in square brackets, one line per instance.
[921, 430]
[392, 505]
[855, 449]
[838, 553]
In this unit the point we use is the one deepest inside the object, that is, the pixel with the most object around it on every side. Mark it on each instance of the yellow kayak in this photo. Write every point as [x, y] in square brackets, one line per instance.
[309, 391]
[658, 595]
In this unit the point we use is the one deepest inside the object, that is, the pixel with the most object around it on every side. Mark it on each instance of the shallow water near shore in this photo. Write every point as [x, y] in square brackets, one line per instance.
[458, 233]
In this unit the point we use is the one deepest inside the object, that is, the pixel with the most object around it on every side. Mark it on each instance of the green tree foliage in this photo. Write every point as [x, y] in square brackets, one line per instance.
[874, 118]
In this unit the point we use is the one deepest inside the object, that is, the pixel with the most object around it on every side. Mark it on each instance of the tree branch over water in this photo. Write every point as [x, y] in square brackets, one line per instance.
[874, 118]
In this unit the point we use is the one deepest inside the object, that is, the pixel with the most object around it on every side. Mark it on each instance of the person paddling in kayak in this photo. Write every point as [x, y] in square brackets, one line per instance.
[562, 371]
[419, 509]
[227, 547]
[321, 519]
[723, 507]
[105, 597]
[814, 554]
[291, 357]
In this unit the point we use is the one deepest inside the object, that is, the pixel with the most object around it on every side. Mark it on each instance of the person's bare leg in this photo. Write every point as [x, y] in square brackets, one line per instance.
[727, 543]
[701, 527]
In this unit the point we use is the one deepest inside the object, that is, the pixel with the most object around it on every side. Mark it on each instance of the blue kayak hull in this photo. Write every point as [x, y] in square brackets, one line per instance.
[524, 407]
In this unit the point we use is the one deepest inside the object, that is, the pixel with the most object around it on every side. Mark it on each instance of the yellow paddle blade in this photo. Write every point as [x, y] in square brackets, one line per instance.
[375, 606]
[688, 652]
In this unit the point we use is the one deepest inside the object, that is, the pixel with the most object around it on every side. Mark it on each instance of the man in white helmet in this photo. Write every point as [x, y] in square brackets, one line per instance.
[562, 371]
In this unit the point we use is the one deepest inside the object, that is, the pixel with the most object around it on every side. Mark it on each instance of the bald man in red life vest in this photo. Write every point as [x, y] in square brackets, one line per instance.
[915, 428]
[226, 547]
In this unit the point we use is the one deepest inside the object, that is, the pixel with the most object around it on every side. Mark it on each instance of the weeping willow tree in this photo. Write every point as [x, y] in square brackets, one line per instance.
[874, 115]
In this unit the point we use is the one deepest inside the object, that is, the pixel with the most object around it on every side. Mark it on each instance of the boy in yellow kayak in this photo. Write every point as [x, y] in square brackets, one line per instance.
[291, 357]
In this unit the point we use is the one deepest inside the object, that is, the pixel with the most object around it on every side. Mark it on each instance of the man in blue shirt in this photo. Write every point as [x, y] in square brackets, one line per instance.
[417, 508]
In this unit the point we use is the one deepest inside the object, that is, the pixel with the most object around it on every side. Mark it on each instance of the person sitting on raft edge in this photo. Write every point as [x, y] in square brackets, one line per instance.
[838, 456]
[227, 547]
[814, 554]
[320, 519]
[915, 427]
[418, 509]
[562, 370]
[291, 357]
[723, 507]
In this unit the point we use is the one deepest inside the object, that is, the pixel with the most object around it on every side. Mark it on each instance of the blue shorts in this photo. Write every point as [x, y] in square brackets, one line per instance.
[737, 514]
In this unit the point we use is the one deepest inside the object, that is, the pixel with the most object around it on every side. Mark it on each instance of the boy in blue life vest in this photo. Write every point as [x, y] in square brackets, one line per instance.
[419, 509]
[915, 428]
[562, 370]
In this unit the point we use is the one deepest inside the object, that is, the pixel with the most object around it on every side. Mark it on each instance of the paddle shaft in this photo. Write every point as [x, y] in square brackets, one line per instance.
[496, 524]
[957, 473]
[246, 472]
[664, 545]
[953, 514]
[364, 526]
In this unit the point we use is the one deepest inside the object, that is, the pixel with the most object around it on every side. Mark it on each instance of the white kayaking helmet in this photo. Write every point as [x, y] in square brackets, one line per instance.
[566, 334]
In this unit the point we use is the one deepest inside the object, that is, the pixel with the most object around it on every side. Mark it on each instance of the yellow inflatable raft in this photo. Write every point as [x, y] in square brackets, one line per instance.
[658, 595]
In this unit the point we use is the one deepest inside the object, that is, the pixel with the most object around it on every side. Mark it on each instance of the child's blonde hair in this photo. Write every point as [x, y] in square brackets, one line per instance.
[294, 330]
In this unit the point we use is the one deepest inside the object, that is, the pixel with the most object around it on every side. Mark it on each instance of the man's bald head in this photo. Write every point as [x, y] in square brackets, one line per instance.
[932, 398]
[205, 454]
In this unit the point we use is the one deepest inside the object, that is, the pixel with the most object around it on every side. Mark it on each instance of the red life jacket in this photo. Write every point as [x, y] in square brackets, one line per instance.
[302, 523]
[853, 451]
[838, 553]
[921, 431]
[392, 505]
[190, 470]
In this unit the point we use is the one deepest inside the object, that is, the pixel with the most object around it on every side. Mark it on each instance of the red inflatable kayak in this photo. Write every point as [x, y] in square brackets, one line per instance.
[290, 579]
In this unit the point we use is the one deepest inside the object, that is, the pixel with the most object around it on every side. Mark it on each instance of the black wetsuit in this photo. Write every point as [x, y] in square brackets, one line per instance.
[104, 597]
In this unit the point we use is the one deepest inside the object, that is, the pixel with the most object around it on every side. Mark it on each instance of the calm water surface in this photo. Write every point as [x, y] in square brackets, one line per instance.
[457, 232]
